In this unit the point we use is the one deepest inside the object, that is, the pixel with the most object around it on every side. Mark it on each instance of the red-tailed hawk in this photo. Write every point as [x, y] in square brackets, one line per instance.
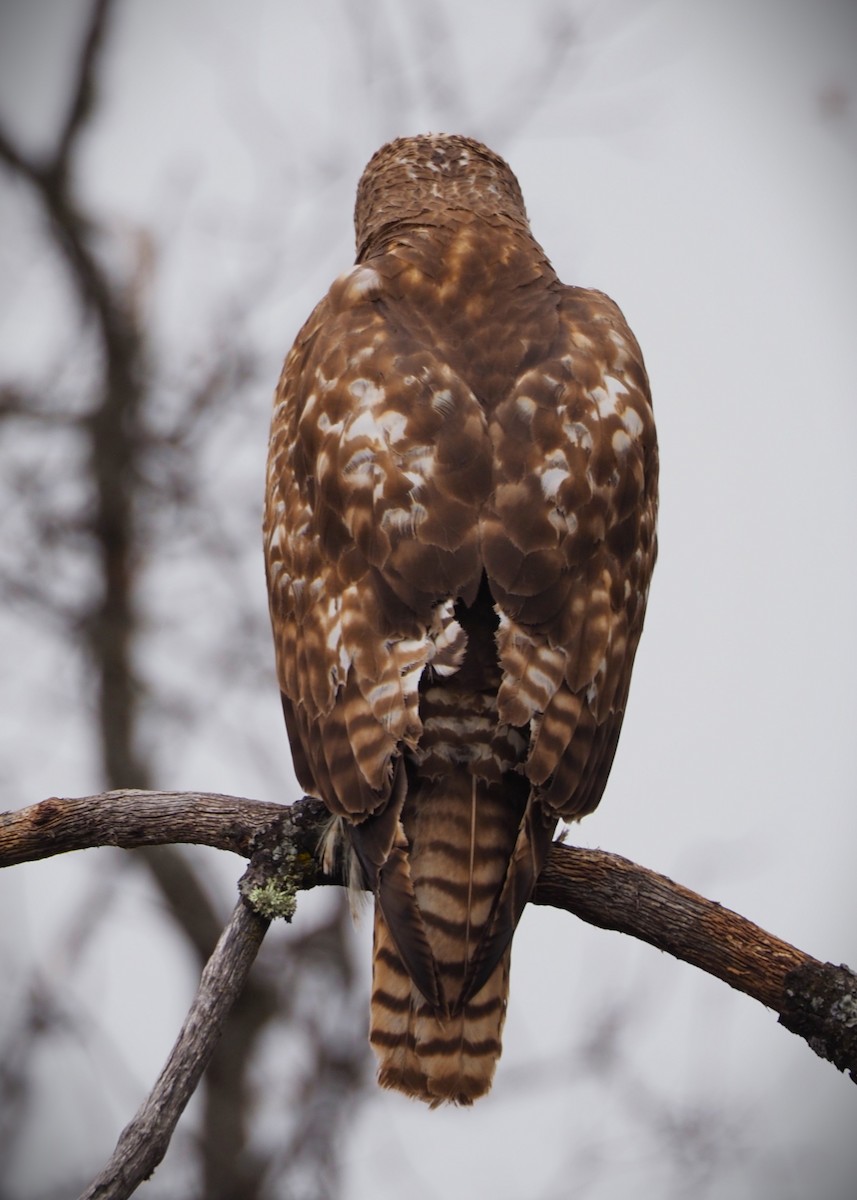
[459, 537]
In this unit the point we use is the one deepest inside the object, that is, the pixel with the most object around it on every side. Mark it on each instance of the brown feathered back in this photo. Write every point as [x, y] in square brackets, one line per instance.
[459, 534]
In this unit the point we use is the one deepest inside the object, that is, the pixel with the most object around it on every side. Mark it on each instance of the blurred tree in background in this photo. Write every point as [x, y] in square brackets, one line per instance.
[108, 482]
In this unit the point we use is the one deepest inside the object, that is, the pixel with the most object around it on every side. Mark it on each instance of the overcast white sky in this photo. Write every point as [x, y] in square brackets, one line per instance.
[698, 162]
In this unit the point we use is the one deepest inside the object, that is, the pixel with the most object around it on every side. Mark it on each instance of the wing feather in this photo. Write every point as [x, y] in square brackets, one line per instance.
[570, 546]
[380, 457]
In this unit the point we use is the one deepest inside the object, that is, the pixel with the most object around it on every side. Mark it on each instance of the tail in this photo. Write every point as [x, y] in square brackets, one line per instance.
[433, 1057]
[452, 893]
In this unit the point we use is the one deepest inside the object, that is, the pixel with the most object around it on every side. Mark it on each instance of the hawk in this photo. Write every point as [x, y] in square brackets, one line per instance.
[459, 537]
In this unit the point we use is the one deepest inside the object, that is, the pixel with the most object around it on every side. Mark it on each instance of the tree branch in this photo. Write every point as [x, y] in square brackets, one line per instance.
[816, 1000]
[132, 818]
[614, 893]
[143, 1143]
[83, 93]
[16, 161]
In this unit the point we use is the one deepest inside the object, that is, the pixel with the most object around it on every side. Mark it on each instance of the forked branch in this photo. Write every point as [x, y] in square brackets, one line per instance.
[816, 1000]
[144, 1141]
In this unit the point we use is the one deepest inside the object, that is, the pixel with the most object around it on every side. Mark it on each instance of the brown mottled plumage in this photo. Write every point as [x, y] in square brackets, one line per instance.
[459, 537]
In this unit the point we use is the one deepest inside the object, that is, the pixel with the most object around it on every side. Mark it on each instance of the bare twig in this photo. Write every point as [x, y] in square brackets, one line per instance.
[143, 1143]
[83, 91]
[816, 1000]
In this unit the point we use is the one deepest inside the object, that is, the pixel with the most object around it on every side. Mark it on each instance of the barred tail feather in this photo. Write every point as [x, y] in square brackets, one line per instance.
[437, 1059]
[437, 1033]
